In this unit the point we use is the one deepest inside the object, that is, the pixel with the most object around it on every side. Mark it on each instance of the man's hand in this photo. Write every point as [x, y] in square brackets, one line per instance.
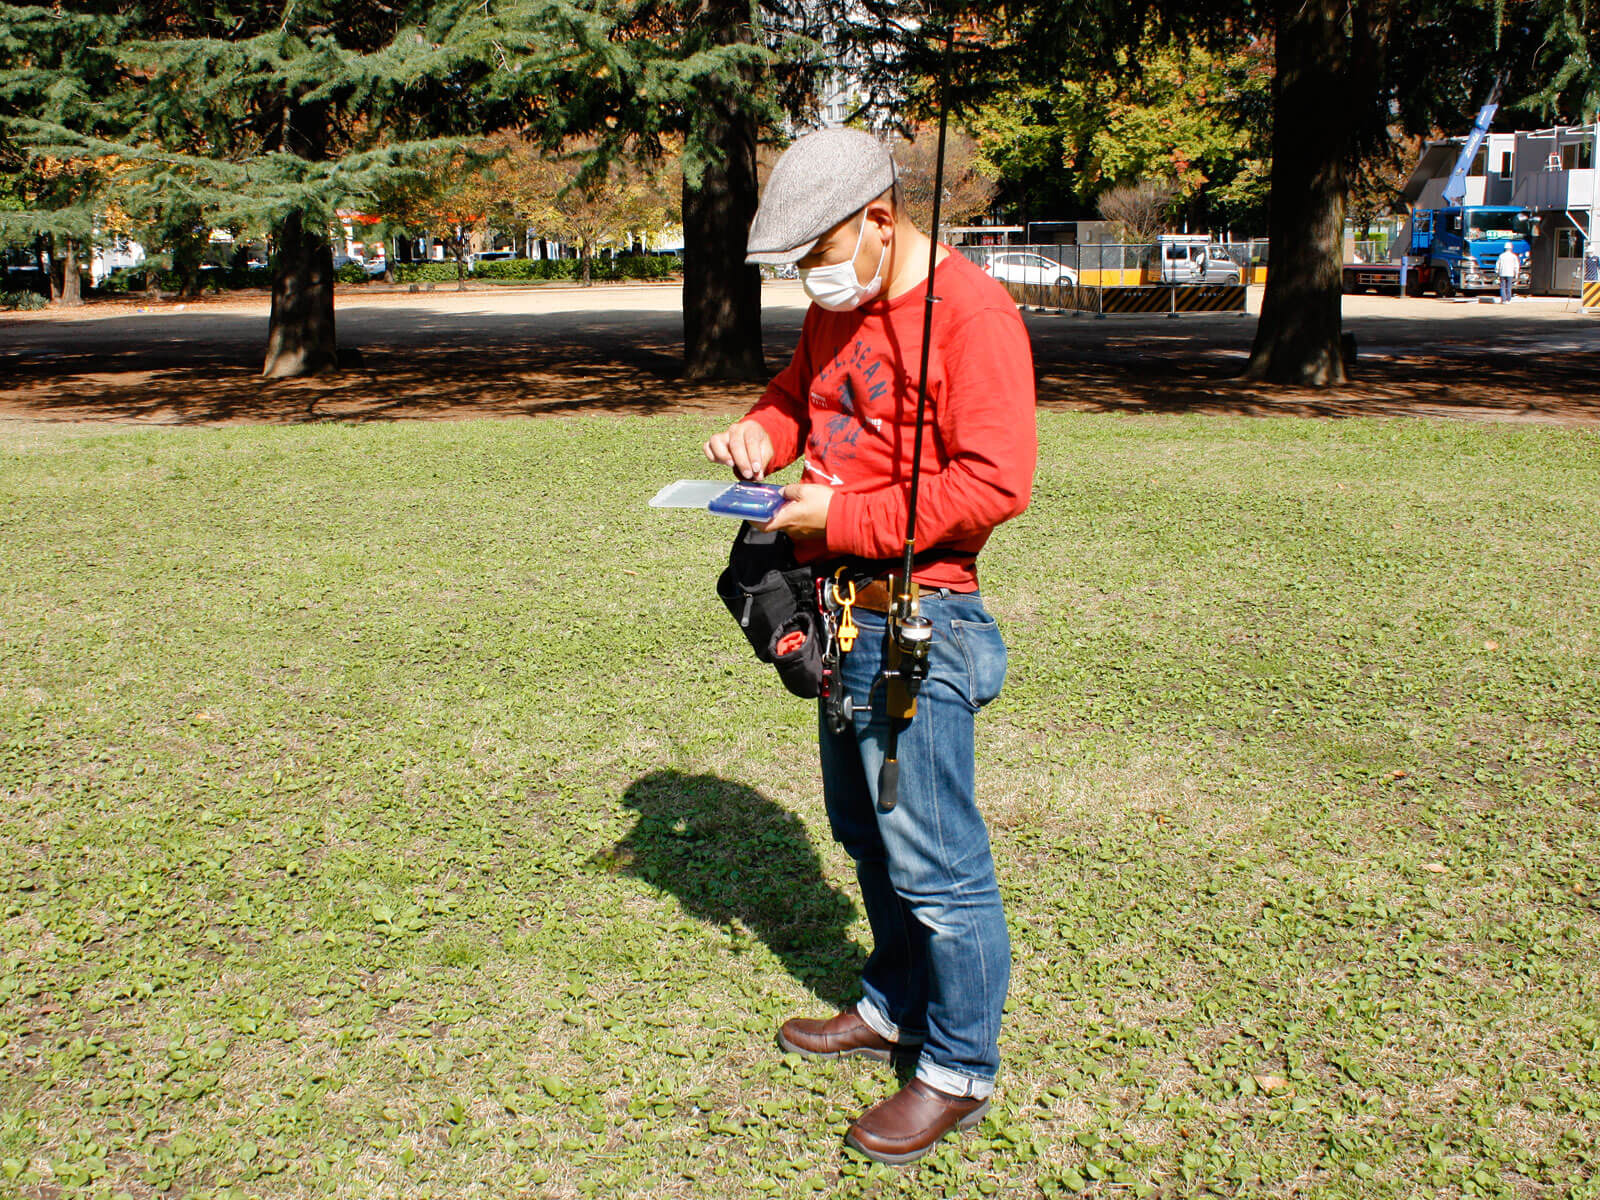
[745, 447]
[806, 513]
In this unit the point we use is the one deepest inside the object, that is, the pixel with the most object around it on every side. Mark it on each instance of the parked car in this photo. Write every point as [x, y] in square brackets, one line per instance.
[1187, 258]
[1024, 266]
[488, 256]
[372, 266]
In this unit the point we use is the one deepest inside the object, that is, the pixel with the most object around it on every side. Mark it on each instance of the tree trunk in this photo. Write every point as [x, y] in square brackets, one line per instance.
[66, 286]
[721, 293]
[300, 334]
[51, 267]
[583, 264]
[1313, 116]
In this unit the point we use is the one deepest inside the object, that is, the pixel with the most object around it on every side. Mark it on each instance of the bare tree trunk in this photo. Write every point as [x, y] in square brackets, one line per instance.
[51, 267]
[1313, 114]
[300, 334]
[66, 286]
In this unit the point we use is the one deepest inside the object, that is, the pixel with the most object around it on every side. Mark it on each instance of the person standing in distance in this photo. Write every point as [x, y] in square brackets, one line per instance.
[1507, 267]
[935, 982]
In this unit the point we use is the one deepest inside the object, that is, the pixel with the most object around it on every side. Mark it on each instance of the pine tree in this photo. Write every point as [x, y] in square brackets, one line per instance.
[57, 71]
[272, 116]
[709, 78]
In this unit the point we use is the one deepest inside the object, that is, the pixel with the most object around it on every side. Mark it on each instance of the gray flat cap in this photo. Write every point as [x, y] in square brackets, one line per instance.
[820, 180]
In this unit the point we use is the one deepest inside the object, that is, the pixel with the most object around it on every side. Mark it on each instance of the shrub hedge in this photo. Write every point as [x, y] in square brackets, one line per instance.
[425, 272]
[22, 300]
[628, 266]
[132, 279]
[609, 270]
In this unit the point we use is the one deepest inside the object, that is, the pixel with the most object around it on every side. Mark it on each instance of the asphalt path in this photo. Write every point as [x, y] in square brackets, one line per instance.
[563, 348]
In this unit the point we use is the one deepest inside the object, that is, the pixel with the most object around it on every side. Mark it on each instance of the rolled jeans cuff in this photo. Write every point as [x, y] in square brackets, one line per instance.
[880, 1024]
[953, 1083]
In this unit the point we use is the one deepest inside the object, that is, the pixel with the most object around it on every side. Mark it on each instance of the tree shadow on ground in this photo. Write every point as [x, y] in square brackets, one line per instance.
[204, 367]
[1565, 392]
[1535, 370]
[426, 366]
[735, 859]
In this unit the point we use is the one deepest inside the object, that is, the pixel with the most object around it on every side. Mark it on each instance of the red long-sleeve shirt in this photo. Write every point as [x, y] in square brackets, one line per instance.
[847, 401]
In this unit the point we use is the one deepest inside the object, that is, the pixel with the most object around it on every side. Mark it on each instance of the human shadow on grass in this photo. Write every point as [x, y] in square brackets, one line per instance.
[733, 857]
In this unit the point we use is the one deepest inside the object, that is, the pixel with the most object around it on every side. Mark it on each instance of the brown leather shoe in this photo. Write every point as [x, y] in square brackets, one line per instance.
[836, 1037]
[904, 1127]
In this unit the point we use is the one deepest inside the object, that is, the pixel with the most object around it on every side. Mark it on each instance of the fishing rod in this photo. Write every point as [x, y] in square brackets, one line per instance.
[911, 633]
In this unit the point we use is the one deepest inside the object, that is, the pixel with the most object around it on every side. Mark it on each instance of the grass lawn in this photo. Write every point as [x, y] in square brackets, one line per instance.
[393, 811]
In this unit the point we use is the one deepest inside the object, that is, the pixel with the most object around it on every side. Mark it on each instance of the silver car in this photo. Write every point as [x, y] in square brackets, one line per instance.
[1024, 266]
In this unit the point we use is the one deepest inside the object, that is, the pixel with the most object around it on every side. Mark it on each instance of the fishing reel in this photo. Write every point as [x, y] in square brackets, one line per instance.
[906, 661]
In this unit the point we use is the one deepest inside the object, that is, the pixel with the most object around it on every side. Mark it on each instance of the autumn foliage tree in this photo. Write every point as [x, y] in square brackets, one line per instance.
[445, 196]
[969, 185]
[579, 197]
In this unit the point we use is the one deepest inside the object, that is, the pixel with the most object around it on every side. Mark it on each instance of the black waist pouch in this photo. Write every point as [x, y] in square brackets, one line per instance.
[796, 651]
[764, 587]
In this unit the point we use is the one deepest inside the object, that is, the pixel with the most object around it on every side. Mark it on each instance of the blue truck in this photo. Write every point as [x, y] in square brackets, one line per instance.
[1454, 249]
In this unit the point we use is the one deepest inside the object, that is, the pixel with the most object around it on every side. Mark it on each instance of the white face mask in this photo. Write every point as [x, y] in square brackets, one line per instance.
[836, 287]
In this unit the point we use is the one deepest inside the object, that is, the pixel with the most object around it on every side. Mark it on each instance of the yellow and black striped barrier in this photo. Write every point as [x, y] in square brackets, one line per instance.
[1171, 299]
[1591, 297]
[1181, 298]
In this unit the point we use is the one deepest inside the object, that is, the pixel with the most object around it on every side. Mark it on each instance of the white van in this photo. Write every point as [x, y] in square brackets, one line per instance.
[1191, 258]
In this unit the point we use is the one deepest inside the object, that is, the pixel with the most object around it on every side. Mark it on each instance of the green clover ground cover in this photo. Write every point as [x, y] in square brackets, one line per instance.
[393, 812]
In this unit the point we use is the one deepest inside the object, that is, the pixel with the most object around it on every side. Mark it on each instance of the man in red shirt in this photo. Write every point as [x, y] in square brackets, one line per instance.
[935, 983]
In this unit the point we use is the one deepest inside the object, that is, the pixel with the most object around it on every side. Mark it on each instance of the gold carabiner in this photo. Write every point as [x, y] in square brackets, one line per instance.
[848, 629]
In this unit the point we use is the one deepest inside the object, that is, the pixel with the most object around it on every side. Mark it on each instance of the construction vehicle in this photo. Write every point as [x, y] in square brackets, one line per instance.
[1452, 247]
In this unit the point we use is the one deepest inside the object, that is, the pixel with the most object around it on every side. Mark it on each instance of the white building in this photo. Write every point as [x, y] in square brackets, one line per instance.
[1550, 172]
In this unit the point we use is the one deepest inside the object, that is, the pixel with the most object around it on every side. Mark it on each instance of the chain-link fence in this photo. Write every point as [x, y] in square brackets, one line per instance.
[1175, 276]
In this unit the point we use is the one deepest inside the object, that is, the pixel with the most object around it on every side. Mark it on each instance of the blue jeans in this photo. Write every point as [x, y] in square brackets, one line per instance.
[941, 957]
[1506, 284]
